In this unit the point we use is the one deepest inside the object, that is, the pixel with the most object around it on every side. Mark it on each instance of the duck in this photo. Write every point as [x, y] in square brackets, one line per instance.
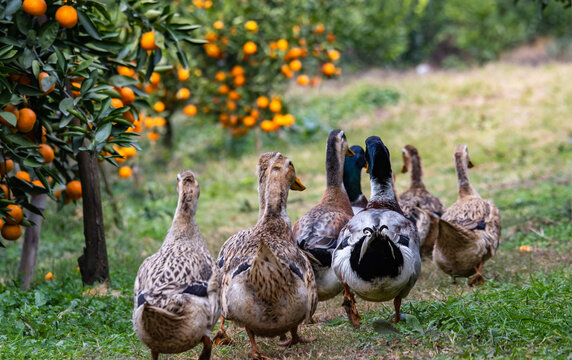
[377, 255]
[417, 196]
[268, 285]
[177, 289]
[317, 232]
[352, 178]
[469, 230]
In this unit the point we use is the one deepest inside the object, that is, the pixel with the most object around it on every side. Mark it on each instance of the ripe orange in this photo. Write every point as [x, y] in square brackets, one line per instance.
[22, 175]
[288, 120]
[44, 75]
[49, 276]
[128, 152]
[66, 16]
[35, 7]
[125, 71]
[231, 105]
[153, 135]
[73, 190]
[328, 69]
[282, 44]
[220, 76]
[234, 95]
[319, 29]
[237, 70]
[159, 106]
[4, 190]
[249, 48]
[251, 26]
[11, 232]
[190, 110]
[125, 172]
[127, 95]
[15, 212]
[76, 85]
[212, 50]
[155, 78]
[333, 55]
[223, 89]
[255, 113]
[267, 125]
[239, 81]
[249, 121]
[330, 38]
[211, 37]
[117, 103]
[183, 94]
[1, 223]
[275, 105]
[262, 102]
[148, 41]
[26, 121]
[128, 116]
[295, 65]
[47, 153]
[285, 69]
[6, 166]
[183, 74]
[303, 80]
[219, 25]
[38, 183]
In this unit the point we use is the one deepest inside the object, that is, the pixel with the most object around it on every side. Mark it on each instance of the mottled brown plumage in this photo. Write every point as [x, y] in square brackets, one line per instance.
[177, 289]
[469, 230]
[267, 283]
[417, 196]
[317, 231]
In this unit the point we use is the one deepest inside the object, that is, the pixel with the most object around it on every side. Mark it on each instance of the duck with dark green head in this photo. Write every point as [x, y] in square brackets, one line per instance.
[378, 250]
[352, 178]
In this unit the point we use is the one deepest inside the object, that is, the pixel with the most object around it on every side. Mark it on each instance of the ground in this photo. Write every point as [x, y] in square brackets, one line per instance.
[515, 120]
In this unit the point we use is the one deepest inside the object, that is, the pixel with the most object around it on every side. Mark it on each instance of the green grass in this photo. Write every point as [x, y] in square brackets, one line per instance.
[515, 121]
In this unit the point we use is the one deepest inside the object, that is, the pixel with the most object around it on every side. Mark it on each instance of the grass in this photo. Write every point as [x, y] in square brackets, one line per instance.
[515, 121]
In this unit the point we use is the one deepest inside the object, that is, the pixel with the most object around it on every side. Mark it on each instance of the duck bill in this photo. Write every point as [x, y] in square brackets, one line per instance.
[403, 169]
[349, 152]
[470, 165]
[297, 185]
[367, 168]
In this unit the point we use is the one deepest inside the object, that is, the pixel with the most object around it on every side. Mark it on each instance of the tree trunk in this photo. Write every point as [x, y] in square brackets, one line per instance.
[93, 263]
[31, 242]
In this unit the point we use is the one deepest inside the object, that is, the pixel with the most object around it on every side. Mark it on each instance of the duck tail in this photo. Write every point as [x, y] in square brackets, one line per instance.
[451, 234]
[154, 319]
[268, 274]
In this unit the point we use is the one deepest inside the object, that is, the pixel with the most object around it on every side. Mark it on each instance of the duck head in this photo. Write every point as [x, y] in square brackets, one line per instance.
[188, 189]
[280, 177]
[336, 150]
[352, 172]
[462, 156]
[408, 153]
[379, 168]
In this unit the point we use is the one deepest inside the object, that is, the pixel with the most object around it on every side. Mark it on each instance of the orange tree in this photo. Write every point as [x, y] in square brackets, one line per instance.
[62, 102]
[255, 49]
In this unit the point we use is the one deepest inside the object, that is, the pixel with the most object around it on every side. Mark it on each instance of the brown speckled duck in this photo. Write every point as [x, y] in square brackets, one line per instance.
[469, 230]
[417, 196]
[177, 289]
[267, 283]
[317, 231]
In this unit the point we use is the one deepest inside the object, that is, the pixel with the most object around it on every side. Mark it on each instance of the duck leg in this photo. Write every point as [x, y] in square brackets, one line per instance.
[207, 347]
[154, 355]
[256, 355]
[296, 339]
[478, 278]
[349, 305]
[397, 306]
[221, 338]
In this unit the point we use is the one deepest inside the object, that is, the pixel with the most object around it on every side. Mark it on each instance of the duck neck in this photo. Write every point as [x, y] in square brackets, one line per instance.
[464, 185]
[275, 205]
[416, 172]
[334, 167]
[382, 190]
[352, 184]
[184, 225]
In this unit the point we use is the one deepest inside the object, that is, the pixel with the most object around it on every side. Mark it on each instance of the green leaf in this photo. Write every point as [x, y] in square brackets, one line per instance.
[32, 163]
[9, 117]
[36, 68]
[12, 7]
[385, 327]
[47, 82]
[48, 33]
[120, 80]
[61, 59]
[195, 41]
[103, 133]
[84, 65]
[65, 105]
[88, 25]
[5, 49]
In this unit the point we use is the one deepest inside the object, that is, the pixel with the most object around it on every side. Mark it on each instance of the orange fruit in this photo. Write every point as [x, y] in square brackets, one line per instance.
[44, 75]
[22, 175]
[328, 69]
[183, 74]
[127, 95]
[237, 70]
[249, 48]
[319, 29]
[6, 166]
[211, 37]
[128, 152]
[47, 153]
[1, 223]
[262, 102]
[267, 125]
[190, 110]
[212, 50]
[295, 65]
[117, 103]
[220, 76]
[183, 94]
[15, 212]
[26, 121]
[239, 81]
[303, 80]
[231, 105]
[219, 25]
[333, 55]
[11, 232]
[255, 113]
[148, 41]
[251, 26]
[49, 276]
[275, 105]
[35, 7]
[4, 190]
[155, 78]
[330, 38]
[66, 16]
[282, 44]
[223, 89]
[125, 172]
[38, 183]
[76, 85]
[73, 190]
[128, 116]
[285, 69]
[249, 121]
[159, 106]
[234, 95]
[288, 120]
[153, 135]
[125, 71]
